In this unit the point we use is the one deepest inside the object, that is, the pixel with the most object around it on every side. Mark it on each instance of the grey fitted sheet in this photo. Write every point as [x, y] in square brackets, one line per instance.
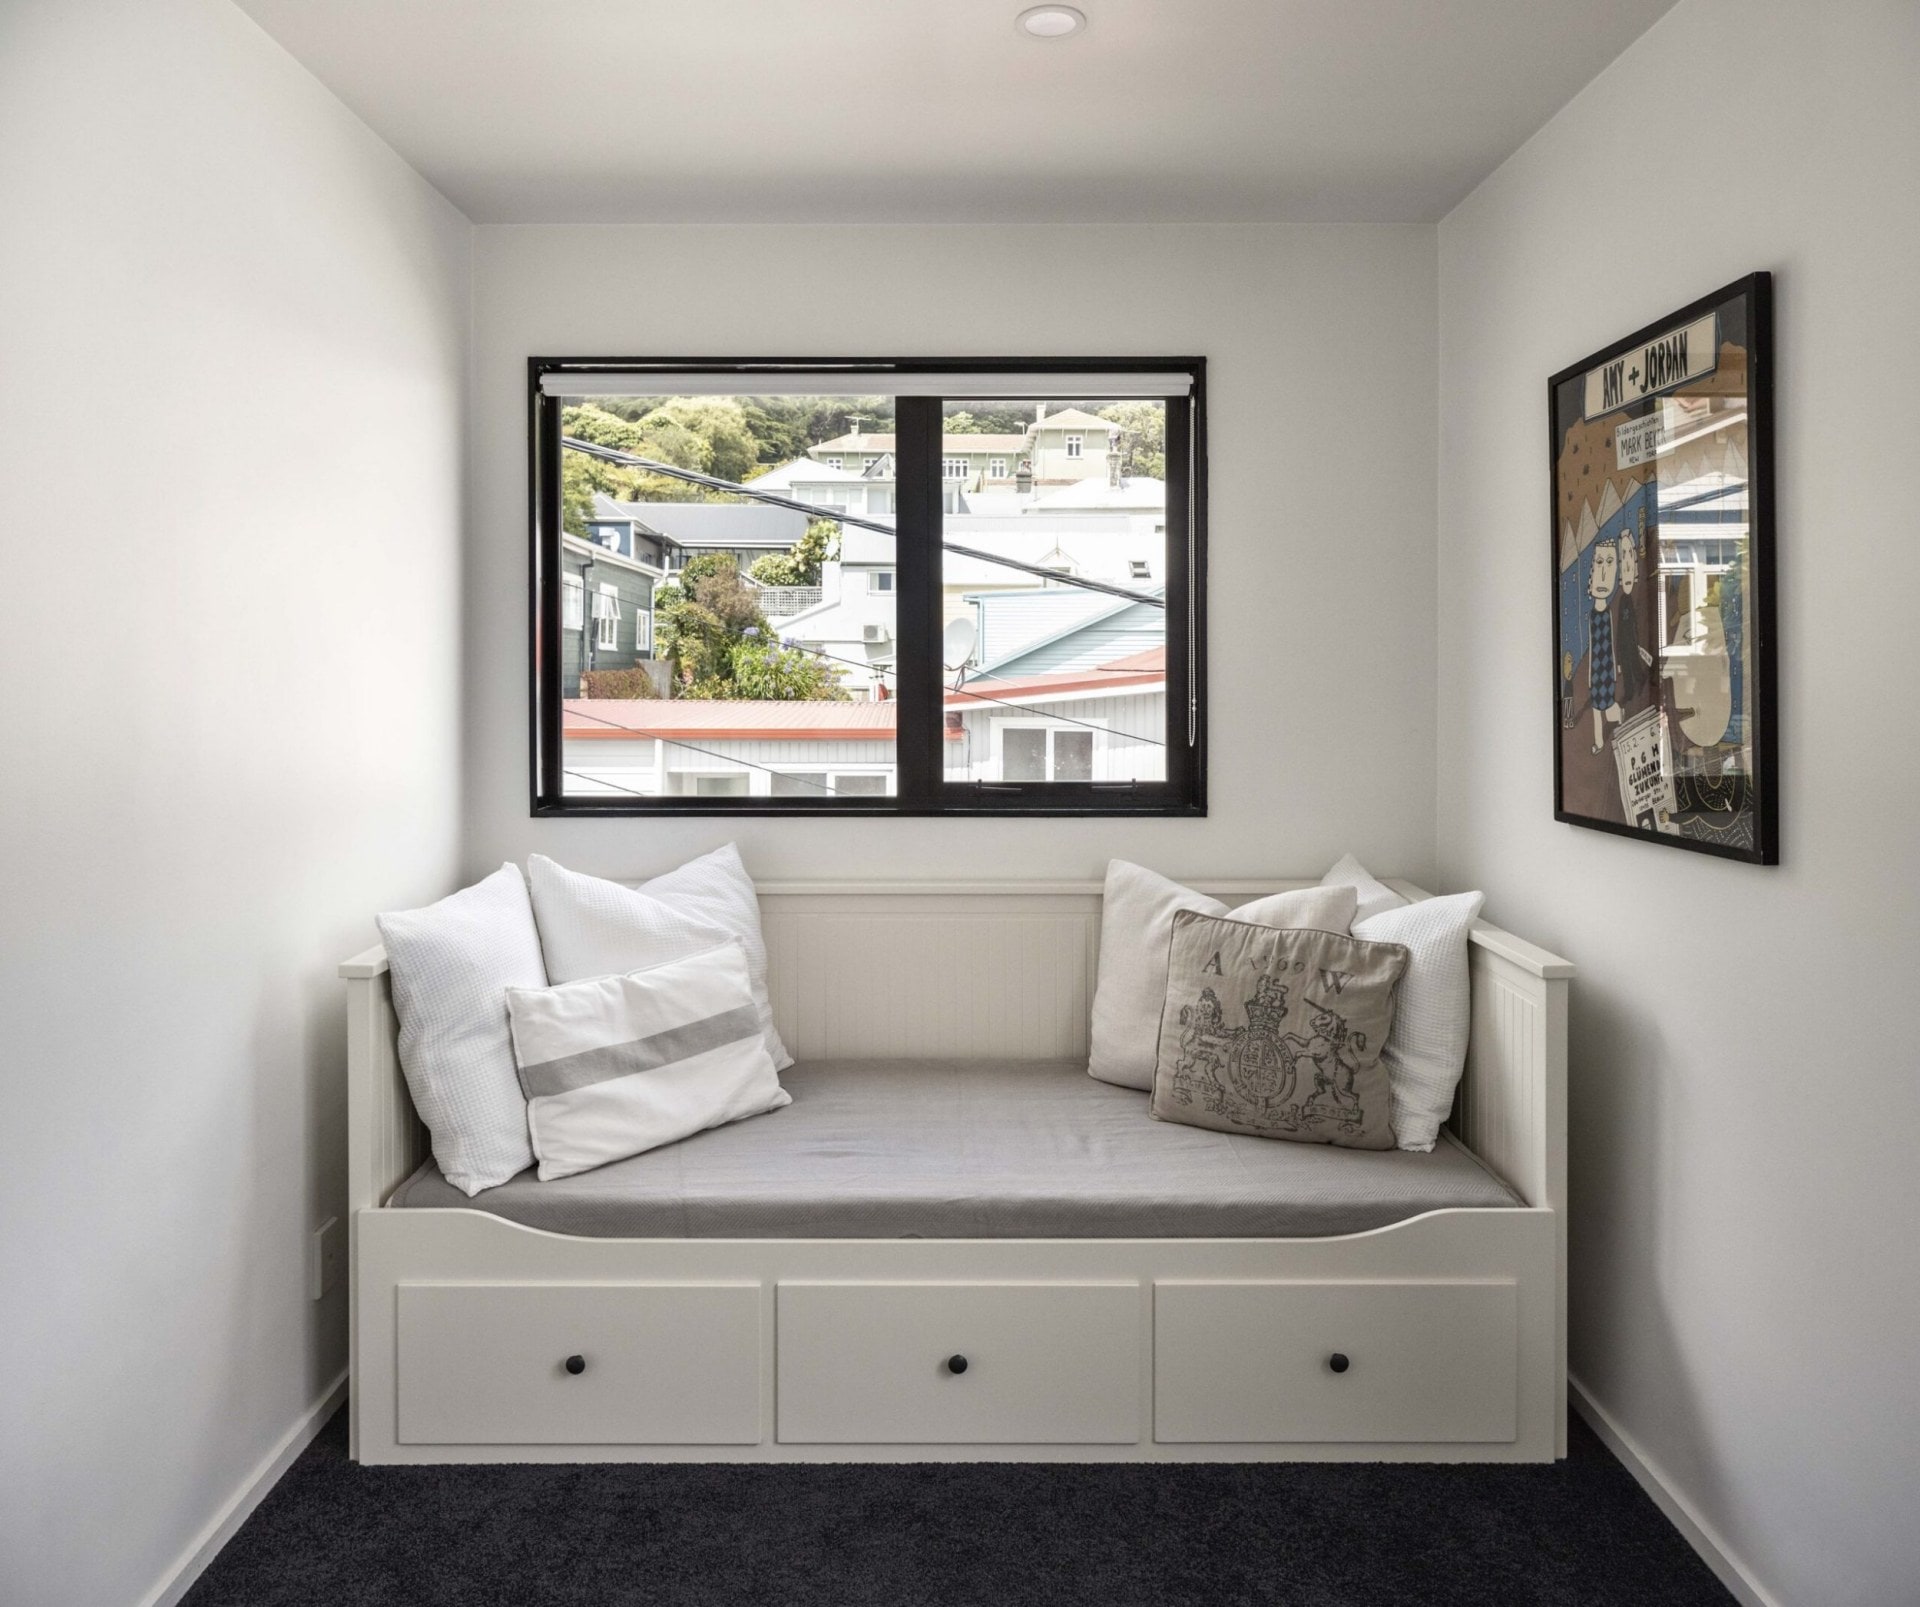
[977, 1149]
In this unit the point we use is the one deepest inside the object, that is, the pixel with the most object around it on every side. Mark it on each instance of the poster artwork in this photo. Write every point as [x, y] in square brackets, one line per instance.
[1658, 504]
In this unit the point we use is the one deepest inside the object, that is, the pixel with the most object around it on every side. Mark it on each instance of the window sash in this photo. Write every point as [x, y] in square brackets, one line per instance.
[922, 495]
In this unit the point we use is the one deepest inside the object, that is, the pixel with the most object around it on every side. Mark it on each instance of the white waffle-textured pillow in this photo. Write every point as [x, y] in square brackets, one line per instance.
[592, 927]
[451, 965]
[1136, 928]
[1427, 1049]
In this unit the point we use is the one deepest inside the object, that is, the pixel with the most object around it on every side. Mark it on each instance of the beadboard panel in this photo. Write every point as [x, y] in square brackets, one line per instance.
[992, 981]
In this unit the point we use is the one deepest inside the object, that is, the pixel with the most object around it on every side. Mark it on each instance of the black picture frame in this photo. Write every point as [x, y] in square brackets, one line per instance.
[1661, 563]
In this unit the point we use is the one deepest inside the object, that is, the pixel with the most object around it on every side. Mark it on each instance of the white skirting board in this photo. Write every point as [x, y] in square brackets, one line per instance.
[238, 1507]
[1694, 1529]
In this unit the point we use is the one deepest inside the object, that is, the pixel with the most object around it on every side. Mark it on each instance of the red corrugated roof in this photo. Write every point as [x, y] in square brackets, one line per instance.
[613, 718]
[1136, 669]
[1154, 658]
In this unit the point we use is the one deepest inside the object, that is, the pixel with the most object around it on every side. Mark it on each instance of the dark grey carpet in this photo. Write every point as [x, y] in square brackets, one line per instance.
[987, 1535]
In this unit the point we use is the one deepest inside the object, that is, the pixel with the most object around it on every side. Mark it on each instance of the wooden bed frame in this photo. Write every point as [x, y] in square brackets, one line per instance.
[1440, 1338]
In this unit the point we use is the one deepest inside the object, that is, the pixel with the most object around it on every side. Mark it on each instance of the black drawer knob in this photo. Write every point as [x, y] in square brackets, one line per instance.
[576, 1365]
[956, 1364]
[1338, 1363]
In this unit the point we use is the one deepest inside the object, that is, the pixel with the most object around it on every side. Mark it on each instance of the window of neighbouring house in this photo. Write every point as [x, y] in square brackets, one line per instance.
[1008, 651]
[1035, 751]
[606, 618]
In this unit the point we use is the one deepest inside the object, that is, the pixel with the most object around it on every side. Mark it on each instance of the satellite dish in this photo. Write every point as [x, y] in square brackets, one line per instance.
[956, 642]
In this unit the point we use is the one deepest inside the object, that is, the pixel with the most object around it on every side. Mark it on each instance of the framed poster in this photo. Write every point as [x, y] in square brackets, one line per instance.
[1662, 535]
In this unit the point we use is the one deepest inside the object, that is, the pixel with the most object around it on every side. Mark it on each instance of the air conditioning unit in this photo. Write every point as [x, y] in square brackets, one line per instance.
[875, 633]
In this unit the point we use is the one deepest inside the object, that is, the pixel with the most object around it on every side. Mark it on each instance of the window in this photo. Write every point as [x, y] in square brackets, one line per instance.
[1034, 751]
[974, 670]
[828, 783]
[832, 463]
[1076, 445]
[606, 617]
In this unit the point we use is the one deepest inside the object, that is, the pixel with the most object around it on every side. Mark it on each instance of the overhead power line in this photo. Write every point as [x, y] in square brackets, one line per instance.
[840, 516]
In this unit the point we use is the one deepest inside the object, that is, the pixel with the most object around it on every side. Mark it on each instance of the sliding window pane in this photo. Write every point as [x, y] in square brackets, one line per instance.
[1054, 571]
[715, 644]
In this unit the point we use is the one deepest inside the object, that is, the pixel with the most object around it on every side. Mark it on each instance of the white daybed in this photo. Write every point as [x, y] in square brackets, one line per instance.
[1000, 1260]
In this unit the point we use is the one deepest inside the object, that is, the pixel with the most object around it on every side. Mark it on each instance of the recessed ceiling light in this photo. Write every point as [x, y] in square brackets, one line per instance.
[1051, 22]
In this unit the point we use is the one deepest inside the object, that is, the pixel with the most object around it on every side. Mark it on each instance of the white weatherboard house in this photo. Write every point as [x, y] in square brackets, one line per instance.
[1314, 953]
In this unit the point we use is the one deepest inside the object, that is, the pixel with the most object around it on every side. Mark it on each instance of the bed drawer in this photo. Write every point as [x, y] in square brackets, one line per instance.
[1335, 1362]
[581, 1364]
[959, 1363]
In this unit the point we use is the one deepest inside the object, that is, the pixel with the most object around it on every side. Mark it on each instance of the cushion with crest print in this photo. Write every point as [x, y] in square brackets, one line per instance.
[1277, 1032]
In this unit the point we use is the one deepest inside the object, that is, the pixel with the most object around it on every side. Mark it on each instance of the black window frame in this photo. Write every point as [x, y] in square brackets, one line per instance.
[921, 787]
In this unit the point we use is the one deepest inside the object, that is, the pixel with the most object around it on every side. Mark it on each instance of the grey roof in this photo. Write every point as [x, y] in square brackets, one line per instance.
[713, 524]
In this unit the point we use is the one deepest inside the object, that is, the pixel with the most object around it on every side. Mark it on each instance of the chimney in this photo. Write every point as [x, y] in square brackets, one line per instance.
[1039, 412]
[1113, 470]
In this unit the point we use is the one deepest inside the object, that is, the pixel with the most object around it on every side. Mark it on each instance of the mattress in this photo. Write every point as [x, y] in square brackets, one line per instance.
[977, 1149]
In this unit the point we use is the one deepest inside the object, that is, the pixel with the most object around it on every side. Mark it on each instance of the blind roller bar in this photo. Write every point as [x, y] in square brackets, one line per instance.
[984, 386]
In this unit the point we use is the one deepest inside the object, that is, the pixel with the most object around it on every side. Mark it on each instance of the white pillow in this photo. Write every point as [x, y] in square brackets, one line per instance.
[620, 1064]
[1427, 1049]
[451, 964]
[1376, 898]
[1136, 927]
[592, 927]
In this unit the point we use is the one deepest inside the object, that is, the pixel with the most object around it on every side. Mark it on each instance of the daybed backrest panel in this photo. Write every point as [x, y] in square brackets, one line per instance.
[939, 970]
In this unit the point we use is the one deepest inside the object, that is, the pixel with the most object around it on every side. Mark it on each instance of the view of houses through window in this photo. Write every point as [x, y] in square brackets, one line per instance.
[732, 647]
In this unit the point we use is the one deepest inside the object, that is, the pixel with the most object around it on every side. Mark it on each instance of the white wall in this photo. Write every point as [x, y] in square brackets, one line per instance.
[1320, 377]
[232, 329]
[1745, 1103]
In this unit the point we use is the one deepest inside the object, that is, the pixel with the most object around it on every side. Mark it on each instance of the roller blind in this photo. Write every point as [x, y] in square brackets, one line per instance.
[985, 385]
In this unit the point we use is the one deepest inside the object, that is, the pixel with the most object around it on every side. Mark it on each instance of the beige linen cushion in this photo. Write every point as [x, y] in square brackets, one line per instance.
[1136, 924]
[1277, 1033]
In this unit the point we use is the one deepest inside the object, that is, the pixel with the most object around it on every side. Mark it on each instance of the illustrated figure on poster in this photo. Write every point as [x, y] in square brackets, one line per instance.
[1631, 660]
[1602, 669]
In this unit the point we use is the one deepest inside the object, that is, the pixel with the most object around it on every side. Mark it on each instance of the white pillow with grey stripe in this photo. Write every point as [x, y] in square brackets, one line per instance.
[616, 1065]
[451, 964]
[593, 927]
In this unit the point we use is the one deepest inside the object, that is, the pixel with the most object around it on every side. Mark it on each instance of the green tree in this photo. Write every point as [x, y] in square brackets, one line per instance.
[770, 669]
[582, 477]
[710, 628]
[1143, 437]
[719, 422]
[801, 564]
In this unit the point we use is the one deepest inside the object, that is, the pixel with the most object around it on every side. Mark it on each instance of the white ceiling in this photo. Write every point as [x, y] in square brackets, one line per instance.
[939, 111]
